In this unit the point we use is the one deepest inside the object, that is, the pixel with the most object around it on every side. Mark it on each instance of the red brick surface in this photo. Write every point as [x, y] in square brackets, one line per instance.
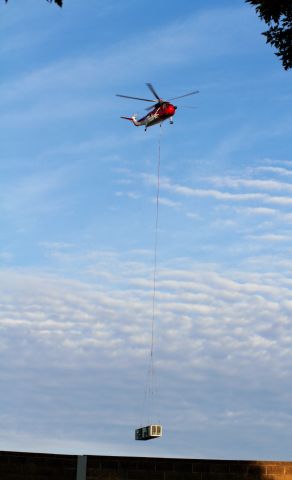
[38, 466]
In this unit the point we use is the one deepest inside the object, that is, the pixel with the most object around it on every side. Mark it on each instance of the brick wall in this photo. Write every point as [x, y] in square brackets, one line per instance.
[38, 466]
[131, 468]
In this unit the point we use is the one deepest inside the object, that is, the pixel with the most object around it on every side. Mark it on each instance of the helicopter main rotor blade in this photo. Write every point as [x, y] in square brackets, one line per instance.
[187, 106]
[151, 88]
[185, 95]
[192, 107]
[158, 104]
[135, 98]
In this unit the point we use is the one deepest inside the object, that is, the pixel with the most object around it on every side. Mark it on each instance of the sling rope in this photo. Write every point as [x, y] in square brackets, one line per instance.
[151, 384]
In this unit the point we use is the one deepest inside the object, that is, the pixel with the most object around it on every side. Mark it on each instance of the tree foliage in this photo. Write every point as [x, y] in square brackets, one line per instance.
[58, 2]
[278, 16]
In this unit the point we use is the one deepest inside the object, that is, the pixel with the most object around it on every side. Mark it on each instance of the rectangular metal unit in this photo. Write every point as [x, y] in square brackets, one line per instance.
[149, 432]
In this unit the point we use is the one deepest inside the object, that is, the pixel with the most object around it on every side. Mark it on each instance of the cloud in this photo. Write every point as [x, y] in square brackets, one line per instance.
[129, 194]
[6, 256]
[33, 195]
[264, 211]
[227, 196]
[83, 344]
[223, 195]
[76, 333]
[235, 183]
[59, 81]
[272, 237]
[275, 170]
[167, 202]
[98, 324]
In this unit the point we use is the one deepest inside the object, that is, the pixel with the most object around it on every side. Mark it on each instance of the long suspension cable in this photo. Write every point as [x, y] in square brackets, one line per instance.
[155, 244]
[150, 392]
[155, 268]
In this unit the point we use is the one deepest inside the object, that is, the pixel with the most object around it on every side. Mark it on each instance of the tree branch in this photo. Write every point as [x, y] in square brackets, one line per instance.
[278, 16]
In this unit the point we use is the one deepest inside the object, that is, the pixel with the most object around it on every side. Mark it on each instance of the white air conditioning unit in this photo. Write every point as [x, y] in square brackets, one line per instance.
[149, 432]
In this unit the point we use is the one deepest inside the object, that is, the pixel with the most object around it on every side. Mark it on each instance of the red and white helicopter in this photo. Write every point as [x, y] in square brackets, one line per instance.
[162, 110]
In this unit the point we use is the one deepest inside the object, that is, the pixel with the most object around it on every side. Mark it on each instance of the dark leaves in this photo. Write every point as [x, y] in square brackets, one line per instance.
[278, 15]
[58, 2]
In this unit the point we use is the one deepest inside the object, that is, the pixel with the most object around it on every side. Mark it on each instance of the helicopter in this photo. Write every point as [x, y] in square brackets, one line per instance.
[161, 111]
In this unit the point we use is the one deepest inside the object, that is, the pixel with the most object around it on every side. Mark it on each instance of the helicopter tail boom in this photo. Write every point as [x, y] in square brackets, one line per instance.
[132, 119]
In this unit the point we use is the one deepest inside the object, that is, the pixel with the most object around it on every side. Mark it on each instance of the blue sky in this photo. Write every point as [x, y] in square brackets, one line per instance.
[77, 221]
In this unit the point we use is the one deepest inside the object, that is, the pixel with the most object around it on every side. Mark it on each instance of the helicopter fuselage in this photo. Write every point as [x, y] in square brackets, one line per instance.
[158, 115]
